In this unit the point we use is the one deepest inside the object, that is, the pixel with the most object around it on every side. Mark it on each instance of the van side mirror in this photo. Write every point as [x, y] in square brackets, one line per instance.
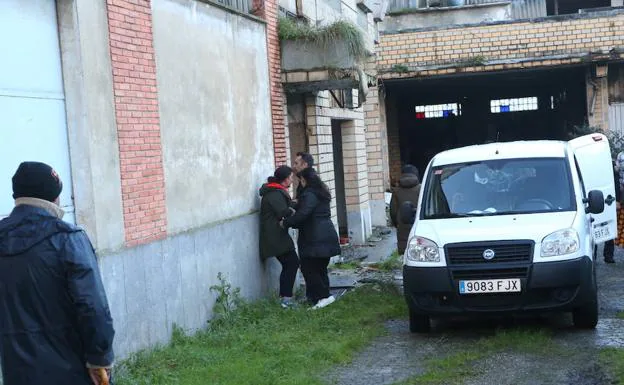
[595, 202]
[408, 212]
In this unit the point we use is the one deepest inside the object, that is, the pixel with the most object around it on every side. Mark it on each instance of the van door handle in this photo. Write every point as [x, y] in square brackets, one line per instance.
[610, 199]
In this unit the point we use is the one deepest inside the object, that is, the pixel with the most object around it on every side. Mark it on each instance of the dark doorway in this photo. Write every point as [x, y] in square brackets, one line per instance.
[442, 113]
[341, 201]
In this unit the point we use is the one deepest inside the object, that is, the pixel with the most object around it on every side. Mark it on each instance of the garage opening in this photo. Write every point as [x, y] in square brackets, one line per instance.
[434, 115]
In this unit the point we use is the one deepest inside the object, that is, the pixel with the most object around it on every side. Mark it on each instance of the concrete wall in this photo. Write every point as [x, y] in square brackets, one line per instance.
[431, 17]
[153, 286]
[215, 111]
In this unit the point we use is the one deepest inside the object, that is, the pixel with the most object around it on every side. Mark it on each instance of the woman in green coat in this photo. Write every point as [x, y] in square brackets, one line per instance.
[275, 240]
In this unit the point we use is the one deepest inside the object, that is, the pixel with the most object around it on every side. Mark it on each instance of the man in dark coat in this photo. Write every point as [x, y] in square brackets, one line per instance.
[274, 239]
[55, 323]
[318, 240]
[408, 190]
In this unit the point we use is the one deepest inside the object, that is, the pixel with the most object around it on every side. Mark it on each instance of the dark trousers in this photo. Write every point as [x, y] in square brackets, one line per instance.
[314, 272]
[290, 264]
[609, 250]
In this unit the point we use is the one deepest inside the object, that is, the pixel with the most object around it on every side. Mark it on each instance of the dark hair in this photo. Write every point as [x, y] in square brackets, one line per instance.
[409, 169]
[306, 158]
[314, 181]
[281, 173]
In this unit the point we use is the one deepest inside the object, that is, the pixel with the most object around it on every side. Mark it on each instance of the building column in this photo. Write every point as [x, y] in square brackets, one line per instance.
[377, 154]
[138, 120]
[598, 97]
[356, 178]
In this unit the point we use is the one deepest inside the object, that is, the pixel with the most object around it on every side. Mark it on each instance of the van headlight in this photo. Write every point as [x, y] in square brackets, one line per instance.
[421, 249]
[560, 242]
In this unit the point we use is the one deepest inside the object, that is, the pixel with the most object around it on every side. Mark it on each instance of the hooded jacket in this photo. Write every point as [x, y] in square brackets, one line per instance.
[408, 190]
[275, 205]
[54, 315]
[317, 235]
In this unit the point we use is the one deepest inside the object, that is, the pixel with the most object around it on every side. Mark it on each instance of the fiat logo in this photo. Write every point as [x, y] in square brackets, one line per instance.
[488, 254]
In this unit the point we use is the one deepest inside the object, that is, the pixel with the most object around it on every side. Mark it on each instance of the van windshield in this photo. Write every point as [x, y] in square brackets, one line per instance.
[498, 187]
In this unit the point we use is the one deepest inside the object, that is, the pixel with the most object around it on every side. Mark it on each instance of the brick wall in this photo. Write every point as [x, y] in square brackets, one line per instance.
[547, 42]
[138, 124]
[268, 10]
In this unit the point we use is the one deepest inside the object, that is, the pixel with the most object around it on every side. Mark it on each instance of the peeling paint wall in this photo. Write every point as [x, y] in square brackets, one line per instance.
[215, 109]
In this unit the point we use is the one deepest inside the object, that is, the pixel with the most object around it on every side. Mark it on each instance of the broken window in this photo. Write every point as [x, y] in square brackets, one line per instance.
[513, 105]
[438, 110]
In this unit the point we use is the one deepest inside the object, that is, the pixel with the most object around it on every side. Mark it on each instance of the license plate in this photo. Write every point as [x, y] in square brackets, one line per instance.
[601, 233]
[510, 285]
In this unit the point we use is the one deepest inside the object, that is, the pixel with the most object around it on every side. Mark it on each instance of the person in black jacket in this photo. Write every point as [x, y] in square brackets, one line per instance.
[318, 240]
[274, 239]
[609, 246]
[55, 323]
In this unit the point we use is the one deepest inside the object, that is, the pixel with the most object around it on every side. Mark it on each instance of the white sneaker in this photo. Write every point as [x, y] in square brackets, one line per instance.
[324, 302]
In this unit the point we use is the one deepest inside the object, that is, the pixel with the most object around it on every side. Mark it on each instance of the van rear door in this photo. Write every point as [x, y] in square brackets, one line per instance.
[593, 158]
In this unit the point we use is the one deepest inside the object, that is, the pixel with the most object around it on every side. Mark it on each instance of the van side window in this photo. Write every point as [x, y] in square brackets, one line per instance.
[578, 172]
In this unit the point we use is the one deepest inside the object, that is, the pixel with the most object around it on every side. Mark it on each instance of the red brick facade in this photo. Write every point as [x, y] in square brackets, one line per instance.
[268, 10]
[138, 123]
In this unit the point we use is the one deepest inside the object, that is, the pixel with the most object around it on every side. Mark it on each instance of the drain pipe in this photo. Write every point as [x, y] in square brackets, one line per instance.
[593, 99]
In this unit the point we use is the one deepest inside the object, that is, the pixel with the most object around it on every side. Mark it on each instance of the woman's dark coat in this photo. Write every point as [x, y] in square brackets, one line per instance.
[275, 205]
[317, 235]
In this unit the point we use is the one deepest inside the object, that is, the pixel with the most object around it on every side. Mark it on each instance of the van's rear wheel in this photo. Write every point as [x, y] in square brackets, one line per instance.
[419, 323]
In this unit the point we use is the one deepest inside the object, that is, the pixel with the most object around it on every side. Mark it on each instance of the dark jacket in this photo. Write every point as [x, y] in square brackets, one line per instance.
[317, 235]
[408, 190]
[54, 315]
[275, 205]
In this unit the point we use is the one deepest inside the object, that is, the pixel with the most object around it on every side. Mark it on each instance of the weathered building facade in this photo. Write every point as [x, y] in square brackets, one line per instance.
[157, 116]
[481, 70]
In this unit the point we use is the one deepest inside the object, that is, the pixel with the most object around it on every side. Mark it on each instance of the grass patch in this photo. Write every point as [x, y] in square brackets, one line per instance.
[612, 359]
[393, 262]
[262, 344]
[455, 367]
[323, 36]
[620, 314]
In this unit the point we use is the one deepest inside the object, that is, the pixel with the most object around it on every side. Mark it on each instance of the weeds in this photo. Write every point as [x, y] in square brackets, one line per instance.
[289, 29]
[228, 299]
[262, 344]
[613, 360]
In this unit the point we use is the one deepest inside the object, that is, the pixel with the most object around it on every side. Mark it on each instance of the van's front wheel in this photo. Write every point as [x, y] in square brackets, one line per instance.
[586, 316]
[419, 323]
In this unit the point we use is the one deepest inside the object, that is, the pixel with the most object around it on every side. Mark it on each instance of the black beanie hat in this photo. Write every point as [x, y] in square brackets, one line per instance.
[36, 180]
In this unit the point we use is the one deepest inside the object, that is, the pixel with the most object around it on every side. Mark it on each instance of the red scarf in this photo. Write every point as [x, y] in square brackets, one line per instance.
[277, 185]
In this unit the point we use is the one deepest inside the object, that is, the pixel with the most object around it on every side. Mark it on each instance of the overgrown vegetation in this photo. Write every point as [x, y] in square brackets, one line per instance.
[400, 68]
[616, 140]
[459, 366]
[323, 36]
[393, 262]
[613, 360]
[620, 314]
[262, 344]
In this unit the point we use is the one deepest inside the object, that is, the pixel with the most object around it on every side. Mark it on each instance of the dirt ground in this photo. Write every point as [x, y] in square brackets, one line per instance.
[400, 354]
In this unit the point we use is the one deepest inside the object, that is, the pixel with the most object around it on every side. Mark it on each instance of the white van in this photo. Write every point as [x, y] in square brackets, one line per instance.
[510, 227]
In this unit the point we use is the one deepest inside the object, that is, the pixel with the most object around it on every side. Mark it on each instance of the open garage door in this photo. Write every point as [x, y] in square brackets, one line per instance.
[32, 101]
[436, 114]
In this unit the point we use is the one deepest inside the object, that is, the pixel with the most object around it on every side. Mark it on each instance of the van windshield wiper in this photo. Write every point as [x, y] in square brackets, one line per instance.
[451, 215]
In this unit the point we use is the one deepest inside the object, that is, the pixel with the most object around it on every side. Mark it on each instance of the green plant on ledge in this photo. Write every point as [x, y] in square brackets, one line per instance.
[323, 36]
[400, 68]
